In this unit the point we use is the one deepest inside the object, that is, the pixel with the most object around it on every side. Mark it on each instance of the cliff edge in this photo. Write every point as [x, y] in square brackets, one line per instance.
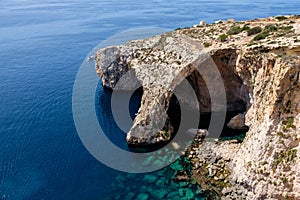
[259, 64]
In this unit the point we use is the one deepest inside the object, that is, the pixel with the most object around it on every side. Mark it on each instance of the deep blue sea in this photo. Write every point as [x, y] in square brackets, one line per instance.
[42, 44]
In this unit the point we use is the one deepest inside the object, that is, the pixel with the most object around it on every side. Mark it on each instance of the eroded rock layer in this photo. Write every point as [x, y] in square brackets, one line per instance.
[160, 64]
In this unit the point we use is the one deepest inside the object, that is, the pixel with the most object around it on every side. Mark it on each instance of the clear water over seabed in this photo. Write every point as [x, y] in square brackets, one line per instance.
[42, 44]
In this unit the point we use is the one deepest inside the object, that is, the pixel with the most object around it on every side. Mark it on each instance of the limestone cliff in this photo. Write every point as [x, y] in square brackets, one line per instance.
[259, 61]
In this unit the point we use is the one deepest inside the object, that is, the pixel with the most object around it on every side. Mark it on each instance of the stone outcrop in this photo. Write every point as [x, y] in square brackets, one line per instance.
[159, 64]
[237, 122]
[260, 69]
[154, 63]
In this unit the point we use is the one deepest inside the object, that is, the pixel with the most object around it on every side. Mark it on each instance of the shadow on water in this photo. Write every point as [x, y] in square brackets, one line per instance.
[118, 136]
[174, 113]
[111, 128]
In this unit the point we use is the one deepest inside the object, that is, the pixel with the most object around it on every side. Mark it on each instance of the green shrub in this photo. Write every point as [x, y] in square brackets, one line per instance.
[287, 28]
[289, 123]
[223, 37]
[250, 44]
[254, 30]
[206, 44]
[280, 34]
[237, 29]
[285, 157]
[284, 180]
[271, 28]
[280, 18]
[234, 30]
[261, 35]
[246, 27]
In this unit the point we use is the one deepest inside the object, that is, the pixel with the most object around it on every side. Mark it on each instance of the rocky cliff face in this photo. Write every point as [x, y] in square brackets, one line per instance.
[259, 63]
[159, 65]
[269, 155]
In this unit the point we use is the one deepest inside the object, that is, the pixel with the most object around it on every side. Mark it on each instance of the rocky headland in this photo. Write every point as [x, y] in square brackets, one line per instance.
[259, 64]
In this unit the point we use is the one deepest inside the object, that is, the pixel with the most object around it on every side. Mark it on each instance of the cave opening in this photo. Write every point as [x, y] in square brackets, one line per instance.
[238, 102]
[174, 113]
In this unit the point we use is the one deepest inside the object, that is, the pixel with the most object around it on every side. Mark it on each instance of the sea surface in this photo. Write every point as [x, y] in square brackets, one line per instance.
[42, 45]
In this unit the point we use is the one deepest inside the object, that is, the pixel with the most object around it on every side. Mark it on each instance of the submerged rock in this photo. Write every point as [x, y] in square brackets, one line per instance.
[150, 178]
[189, 194]
[173, 195]
[176, 166]
[130, 196]
[142, 196]
[160, 194]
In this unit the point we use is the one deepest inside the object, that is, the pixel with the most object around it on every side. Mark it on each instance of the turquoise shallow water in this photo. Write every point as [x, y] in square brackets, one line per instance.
[42, 44]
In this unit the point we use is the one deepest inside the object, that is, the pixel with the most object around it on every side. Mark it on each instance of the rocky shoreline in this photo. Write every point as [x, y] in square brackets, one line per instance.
[259, 63]
[210, 160]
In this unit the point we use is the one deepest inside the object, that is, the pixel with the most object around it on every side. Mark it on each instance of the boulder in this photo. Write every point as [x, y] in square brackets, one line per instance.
[237, 122]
